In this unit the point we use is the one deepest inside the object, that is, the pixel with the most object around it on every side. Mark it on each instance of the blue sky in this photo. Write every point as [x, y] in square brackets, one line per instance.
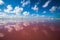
[30, 7]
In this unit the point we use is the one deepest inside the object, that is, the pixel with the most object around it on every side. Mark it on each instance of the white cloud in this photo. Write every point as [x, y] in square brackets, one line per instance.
[26, 13]
[35, 15]
[52, 18]
[2, 14]
[17, 27]
[35, 8]
[26, 24]
[9, 9]
[25, 3]
[1, 35]
[44, 12]
[9, 28]
[17, 9]
[46, 4]
[1, 2]
[43, 15]
[53, 8]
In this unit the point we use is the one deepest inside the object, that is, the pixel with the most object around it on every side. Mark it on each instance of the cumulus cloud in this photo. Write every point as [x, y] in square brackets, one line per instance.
[9, 28]
[26, 13]
[2, 14]
[9, 9]
[26, 24]
[17, 27]
[35, 15]
[25, 3]
[46, 4]
[53, 8]
[18, 9]
[35, 8]
[52, 18]
[43, 15]
[1, 35]
[1, 2]
[44, 12]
